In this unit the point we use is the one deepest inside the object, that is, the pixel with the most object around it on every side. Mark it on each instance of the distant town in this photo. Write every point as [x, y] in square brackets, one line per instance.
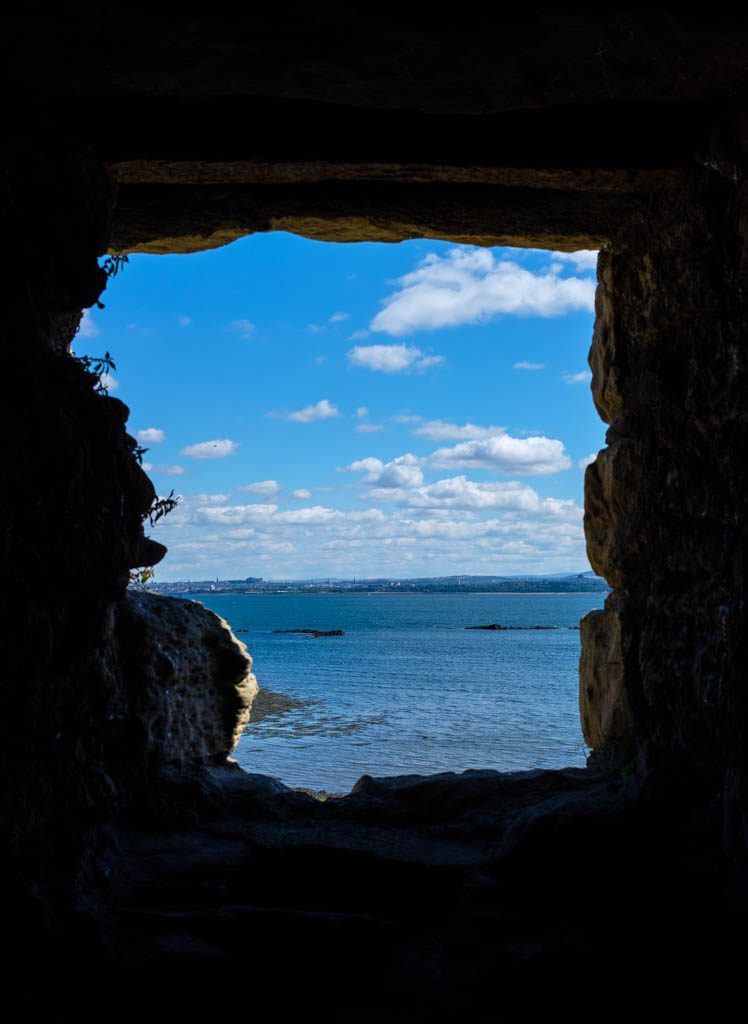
[583, 582]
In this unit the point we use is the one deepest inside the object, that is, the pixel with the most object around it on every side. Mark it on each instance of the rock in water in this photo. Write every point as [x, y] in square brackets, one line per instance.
[189, 678]
[313, 632]
[495, 625]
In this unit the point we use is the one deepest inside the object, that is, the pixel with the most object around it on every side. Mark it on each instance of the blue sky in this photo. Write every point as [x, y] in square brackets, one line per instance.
[361, 409]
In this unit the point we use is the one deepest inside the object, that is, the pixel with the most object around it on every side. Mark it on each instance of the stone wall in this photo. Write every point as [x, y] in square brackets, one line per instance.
[660, 687]
[661, 692]
[81, 724]
[541, 128]
[665, 501]
[72, 496]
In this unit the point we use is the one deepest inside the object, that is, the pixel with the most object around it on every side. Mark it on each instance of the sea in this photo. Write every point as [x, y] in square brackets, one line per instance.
[407, 689]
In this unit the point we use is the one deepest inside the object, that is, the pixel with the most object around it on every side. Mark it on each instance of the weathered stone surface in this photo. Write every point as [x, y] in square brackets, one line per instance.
[565, 121]
[166, 218]
[452, 891]
[188, 679]
[71, 506]
[605, 355]
[603, 704]
[612, 535]
[665, 501]
[367, 58]
[548, 129]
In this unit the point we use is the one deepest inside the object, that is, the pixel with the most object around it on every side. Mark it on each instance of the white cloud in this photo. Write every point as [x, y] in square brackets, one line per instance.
[362, 411]
[319, 360]
[264, 516]
[167, 470]
[218, 449]
[368, 428]
[358, 335]
[245, 328]
[312, 515]
[233, 515]
[452, 526]
[528, 366]
[406, 418]
[209, 499]
[322, 410]
[472, 286]
[583, 377]
[88, 327]
[405, 471]
[371, 466]
[583, 259]
[184, 321]
[392, 358]
[506, 454]
[427, 362]
[439, 430]
[524, 456]
[587, 460]
[460, 493]
[241, 533]
[338, 318]
[269, 547]
[151, 435]
[267, 488]
[108, 382]
[301, 493]
[315, 328]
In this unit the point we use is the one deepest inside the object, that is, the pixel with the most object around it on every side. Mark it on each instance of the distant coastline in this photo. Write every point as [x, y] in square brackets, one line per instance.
[572, 583]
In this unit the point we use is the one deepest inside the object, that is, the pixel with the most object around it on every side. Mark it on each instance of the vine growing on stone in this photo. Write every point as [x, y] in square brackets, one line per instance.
[140, 578]
[160, 507]
[98, 367]
[112, 266]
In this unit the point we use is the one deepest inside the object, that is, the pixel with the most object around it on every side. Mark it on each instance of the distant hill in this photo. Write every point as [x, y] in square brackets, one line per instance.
[585, 582]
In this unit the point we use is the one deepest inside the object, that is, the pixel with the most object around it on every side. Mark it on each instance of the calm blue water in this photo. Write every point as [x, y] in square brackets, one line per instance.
[408, 689]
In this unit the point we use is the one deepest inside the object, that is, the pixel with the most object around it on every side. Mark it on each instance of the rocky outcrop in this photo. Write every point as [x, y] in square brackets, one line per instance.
[188, 679]
[606, 716]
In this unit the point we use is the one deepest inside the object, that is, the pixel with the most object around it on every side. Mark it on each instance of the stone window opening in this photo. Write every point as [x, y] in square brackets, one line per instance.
[137, 859]
[265, 709]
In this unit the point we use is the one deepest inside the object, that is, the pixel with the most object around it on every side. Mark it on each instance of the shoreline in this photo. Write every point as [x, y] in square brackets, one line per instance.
[388, 593]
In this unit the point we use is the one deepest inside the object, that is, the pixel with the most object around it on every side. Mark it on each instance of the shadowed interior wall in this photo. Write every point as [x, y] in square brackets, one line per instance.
[665, 501]
[619, 131]
[72, 503]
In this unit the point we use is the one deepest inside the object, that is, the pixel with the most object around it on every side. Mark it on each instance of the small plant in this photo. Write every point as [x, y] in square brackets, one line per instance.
[139, 452]
[112, 265]
[160, 508]
[140, 578]
[98, 367]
